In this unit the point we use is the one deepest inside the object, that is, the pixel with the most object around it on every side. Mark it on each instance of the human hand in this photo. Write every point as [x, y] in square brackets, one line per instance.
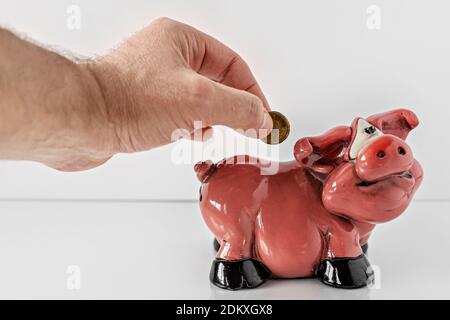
[76, 115]
[169, 75]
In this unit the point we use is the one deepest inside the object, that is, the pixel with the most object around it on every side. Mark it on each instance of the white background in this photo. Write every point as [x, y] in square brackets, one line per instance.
[316, 61]
[145, 250]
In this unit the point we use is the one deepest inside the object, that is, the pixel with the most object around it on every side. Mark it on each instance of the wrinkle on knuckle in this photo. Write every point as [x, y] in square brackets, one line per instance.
[201, 89]
[255, 116]
[197, 103]
[235, 60]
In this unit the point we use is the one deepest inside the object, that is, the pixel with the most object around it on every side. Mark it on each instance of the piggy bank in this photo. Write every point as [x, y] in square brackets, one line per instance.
[315, 214]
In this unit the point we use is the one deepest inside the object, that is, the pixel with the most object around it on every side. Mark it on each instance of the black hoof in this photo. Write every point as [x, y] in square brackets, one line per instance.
[346, 273]
[238, 274]
[364, 248]
[216, 245]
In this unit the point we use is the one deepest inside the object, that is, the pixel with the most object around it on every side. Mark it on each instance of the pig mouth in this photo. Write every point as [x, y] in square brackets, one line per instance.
[404, 175]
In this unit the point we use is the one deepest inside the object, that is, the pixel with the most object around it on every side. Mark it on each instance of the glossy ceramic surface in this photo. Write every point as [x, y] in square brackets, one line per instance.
[313, 215]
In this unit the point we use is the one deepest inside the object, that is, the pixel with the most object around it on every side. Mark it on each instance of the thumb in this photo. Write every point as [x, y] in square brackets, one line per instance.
[237, 109]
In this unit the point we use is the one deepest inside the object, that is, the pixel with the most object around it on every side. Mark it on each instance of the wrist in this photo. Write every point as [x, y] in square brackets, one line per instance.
[52, 110]
[81, 135]
[118, 104]
[100, 116]
[72, 131]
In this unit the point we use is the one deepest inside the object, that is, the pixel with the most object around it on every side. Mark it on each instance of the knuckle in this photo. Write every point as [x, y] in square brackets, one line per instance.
[201, 89]
[255, 114]
[162, 21]
[196, 96]
[201, 98]
[165, 25]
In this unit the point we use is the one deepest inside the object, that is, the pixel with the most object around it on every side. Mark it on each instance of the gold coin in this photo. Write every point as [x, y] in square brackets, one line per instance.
[280, 130]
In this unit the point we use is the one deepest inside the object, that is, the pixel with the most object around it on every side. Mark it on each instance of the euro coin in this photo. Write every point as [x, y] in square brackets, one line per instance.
[280, 130]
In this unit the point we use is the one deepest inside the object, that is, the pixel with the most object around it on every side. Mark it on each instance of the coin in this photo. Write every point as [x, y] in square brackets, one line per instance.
[280, 130]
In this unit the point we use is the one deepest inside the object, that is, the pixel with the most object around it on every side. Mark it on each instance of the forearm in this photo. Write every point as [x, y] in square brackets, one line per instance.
[48, 104]
[76, 115]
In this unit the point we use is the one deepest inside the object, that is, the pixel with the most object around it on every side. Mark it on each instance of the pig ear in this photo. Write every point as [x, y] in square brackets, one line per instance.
[321, 154]
[397, 122]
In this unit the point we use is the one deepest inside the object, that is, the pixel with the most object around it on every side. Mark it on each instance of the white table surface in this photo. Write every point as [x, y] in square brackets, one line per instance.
[157, 250]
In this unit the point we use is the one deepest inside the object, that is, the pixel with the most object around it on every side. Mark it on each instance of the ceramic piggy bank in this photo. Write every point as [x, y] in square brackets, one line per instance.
[314, 216]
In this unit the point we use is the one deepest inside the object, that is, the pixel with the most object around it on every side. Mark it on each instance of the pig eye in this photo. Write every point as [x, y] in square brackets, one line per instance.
[365, 133]
[370, 130]
[381, 154]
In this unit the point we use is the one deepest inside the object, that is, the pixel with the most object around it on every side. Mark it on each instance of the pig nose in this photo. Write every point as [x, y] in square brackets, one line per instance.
[385, 156]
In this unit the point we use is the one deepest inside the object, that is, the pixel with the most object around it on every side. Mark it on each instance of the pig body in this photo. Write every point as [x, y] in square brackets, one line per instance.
[286, 233]
[314, 215]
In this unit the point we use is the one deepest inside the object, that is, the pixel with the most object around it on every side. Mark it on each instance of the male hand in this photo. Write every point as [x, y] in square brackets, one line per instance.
[75, 116]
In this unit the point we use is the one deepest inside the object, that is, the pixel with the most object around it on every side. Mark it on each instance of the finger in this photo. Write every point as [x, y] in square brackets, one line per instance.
[237, 109]
[216, 61]
[223, 65]
[226, 67]
[202, 134]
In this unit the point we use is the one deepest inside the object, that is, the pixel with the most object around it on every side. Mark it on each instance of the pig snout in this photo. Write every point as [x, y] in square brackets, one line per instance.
[385, 156]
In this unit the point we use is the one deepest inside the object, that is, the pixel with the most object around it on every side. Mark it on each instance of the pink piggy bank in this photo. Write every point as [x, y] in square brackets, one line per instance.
[315, 215]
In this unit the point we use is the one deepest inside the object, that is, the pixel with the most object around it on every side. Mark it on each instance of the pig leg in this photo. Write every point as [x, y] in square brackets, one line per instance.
[238, 274]
[346, 273]
[365, 248]
[234, 268]
[345, 265]
[216, 245]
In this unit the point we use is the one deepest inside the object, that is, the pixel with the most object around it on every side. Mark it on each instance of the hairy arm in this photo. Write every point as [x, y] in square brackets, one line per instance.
[75, 115]
[50, 109]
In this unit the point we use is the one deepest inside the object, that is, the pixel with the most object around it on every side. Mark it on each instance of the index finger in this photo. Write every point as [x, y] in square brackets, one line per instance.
[216, 61]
